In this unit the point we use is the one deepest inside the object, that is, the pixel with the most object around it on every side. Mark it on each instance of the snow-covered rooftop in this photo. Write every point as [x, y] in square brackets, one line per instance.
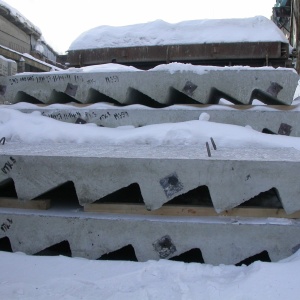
[19, 18]
[160, 32]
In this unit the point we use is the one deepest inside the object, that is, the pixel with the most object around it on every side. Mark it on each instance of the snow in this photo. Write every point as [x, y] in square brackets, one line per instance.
[31, 277]
[159, 32]
[6, 59]
[16, 126]
[19, 17]
[199, 69]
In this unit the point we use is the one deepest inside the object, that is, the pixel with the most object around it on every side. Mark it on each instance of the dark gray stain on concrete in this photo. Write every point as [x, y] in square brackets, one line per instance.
[171, 185]
[164, 246]
[189, 88]
[285, 129]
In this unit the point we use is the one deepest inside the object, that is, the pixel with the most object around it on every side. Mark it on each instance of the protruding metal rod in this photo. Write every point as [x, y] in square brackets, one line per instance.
[213, 143]
[208, 149]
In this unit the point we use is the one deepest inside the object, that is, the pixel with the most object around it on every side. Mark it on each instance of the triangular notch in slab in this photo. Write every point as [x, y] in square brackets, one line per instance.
[198, 196]
[126, 253]
[63, 195]
[177, 97]
[23, 97]
[95, 96]
[7, 189]
[191, 256]
[129, 194]
[5, 244]
[268, 131]
[262, 256]
[63, 98]
[267, 199]
[136, 97]
[62, 248]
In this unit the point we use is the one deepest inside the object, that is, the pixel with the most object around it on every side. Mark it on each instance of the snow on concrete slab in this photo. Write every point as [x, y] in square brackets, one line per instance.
[159, 32]
[34, 128]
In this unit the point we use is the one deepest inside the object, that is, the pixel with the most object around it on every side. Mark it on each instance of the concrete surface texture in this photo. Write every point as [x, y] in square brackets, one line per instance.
[153, 88]
[221, 240]
[162, 173]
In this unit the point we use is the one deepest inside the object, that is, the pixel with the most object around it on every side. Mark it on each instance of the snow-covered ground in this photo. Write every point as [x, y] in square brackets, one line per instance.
[31, 277]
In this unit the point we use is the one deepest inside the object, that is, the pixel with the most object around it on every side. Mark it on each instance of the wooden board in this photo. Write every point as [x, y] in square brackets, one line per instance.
[42, 204]
[196, 211]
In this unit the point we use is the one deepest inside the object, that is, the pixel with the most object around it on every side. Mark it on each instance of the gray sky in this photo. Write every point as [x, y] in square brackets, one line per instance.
[62, 21]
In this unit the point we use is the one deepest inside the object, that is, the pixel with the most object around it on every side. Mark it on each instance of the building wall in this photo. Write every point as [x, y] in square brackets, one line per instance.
[295, 30]
[13, 37]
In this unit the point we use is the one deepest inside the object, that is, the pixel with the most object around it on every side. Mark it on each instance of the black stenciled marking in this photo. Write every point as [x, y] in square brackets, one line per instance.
[274, 89]
[88, 114]
[27, 78]
[6, 225]
[2, 90]
[105, 116]
[71, 89]
[285, 129]
[164, 246]
[112, 79]
[91, 81]
[189, 88]
[13, 81]
[171, 185]
[60, 77]
[8, 165]
[121, 115]
[3, 140]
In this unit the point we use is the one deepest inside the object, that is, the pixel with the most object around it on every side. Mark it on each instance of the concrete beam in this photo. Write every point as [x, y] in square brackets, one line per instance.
[221, 240]
[162, 173]
[156, 87]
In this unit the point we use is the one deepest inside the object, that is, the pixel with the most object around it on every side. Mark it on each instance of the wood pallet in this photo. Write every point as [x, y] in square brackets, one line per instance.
[196, 211]
[166, 210]
[42, 204]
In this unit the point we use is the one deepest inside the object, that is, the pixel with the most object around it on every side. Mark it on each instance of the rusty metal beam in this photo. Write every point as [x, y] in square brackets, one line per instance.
[226, 52]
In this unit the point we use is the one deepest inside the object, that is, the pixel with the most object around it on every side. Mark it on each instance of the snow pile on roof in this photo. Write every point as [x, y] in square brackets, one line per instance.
[160, 32]
[42, 277]
[110, 67]
[34, 128]
[19, 17]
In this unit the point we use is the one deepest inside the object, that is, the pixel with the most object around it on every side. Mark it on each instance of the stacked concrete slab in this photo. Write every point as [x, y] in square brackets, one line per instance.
[162, 173]
[221, 240]
[157, 87]
[232, 176]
